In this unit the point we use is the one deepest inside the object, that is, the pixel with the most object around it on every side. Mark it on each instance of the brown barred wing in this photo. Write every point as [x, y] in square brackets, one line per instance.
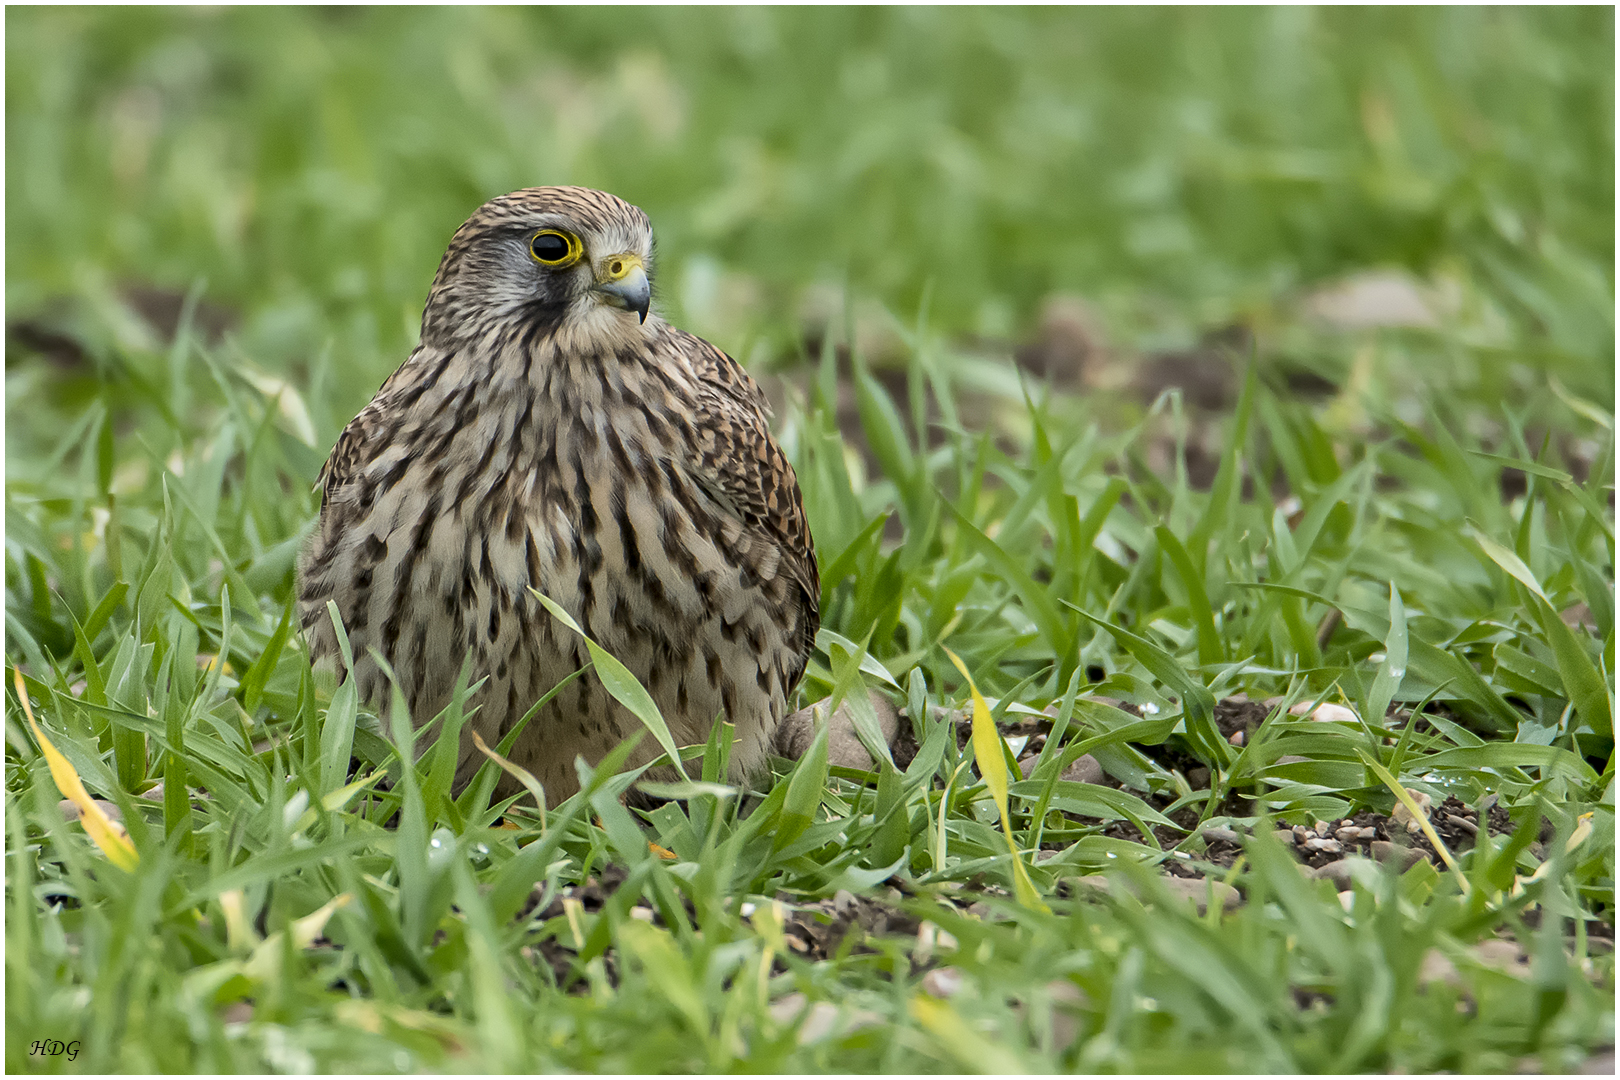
[750, 473]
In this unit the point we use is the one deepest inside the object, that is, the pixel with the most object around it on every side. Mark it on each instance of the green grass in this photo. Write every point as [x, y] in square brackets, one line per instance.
[303, 169]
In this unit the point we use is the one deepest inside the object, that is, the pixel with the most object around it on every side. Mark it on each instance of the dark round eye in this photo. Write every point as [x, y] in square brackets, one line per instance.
[551, 247]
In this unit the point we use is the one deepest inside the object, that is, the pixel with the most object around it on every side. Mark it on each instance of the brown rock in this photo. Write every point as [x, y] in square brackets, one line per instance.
[1338, 872]
[1384, 851]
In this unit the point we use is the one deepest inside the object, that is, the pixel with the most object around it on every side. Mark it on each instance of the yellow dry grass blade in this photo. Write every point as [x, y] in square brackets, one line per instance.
[993, 770]
[109, 836]
[959, 1039]
[264, 963]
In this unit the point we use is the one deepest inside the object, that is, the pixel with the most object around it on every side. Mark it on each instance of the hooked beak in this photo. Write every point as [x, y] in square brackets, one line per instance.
[622, 282]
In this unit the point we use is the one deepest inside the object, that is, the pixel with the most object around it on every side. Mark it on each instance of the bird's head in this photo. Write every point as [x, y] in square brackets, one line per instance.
[565, 260]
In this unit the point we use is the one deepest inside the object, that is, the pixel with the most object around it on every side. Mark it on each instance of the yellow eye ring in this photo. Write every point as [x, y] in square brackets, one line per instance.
[555, 248]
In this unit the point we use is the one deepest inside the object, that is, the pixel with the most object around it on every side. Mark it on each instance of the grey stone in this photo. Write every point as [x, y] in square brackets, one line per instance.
[1197, 890]
[1384, 851]
[1085, 769]
[1068, 1001]
[844, 748]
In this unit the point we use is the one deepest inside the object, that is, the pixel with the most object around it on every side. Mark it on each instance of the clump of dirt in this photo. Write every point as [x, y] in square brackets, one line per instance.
[816, 930]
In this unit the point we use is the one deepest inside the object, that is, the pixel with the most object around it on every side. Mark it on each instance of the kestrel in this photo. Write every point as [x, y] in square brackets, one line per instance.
[552, 432]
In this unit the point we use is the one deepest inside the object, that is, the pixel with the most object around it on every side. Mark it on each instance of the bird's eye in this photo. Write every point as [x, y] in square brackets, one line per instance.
[554, 248]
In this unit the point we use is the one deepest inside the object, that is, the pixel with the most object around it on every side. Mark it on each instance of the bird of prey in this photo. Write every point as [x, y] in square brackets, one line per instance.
[552, 432]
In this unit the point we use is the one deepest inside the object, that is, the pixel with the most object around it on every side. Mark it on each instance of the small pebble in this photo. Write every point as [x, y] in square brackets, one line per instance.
[237, 1012]
[1197, 890]
[819, 1024]
[1324, 828]
[1286, 836]
[1324, 712]
[1367, 832]
[1404, 816]
[844, 902]
[785, 1009]
[645, 914]
[942, 982]
[1236, 738]
[1437, 967]
[923, 951]
[1317, 843]
[1064, 992]
[1347, 835]
[1302, 834]
[1211, 835]
[70, 809]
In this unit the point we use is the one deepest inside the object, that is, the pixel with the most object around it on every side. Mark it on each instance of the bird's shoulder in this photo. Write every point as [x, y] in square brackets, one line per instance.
[368, 434]
[737, 453]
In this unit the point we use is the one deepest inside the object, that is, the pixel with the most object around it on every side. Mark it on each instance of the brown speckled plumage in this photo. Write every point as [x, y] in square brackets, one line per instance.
[542, 436]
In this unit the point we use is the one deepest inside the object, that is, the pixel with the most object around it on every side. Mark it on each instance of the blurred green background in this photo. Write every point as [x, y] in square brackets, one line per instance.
[1180, 169]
